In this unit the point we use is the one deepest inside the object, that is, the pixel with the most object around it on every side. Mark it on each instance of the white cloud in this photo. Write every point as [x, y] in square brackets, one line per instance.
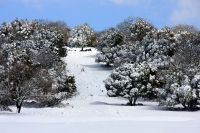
[187, 11]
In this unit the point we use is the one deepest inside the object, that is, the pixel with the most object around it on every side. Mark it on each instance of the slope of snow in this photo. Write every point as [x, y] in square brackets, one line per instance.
[93, 112]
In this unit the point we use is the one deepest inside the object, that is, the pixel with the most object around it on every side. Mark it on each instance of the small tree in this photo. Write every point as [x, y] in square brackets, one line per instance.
[81, 36]
[18, 85]
[132, 81]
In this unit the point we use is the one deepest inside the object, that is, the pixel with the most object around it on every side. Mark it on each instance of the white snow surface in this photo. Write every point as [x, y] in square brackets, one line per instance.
[92, 111]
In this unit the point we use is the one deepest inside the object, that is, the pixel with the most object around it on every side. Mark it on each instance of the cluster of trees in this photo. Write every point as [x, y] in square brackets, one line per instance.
[152, 64]
[30, 65]
[147, 62]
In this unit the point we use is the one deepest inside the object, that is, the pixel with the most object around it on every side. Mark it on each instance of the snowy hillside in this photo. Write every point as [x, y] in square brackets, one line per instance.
[92, 111]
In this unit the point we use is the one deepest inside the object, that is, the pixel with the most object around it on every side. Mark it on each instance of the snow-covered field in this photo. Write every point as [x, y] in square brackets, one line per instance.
[93, 112]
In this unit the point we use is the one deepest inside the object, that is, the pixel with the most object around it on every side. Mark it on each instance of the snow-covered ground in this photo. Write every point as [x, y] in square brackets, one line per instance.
[93, 112]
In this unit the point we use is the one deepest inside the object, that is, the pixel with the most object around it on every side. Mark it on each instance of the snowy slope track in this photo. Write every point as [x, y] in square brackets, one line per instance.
[88, 74]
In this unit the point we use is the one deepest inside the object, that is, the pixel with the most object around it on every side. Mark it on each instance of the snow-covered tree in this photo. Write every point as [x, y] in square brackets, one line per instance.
[147, 44]
[183, 76]
[32, 67]
[17, 30]
[188, 53]
[151, 47]
[182, 87]
[157, 47]
[133, 81]
[59, 26]
[140, 29]
[107, 45]
[48, 38]
[81, 36]
[21, 79]
[28, 34]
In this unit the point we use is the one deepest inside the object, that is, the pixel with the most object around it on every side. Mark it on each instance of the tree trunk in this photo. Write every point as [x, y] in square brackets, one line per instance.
[134, 102]
[130, 101]
[190, 105]
[19, 106]
[107, 64]
[82, 49]
[184, 105]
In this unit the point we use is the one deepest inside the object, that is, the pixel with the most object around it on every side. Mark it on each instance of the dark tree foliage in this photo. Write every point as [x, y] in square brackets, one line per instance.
[59, 25]
[125, 28]
[107, 43]
[140, 29]
[183, 76]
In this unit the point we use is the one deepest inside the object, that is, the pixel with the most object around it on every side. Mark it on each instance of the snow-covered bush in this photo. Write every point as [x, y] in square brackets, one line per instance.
[107, 45]
[182, 87]
[81, 36]
[133, 81]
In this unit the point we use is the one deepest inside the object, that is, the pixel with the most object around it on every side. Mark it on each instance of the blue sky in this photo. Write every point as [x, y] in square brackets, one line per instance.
[103, 14]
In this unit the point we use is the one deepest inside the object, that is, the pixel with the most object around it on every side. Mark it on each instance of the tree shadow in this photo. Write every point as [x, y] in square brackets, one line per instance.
[91, 56]
[113, 104]
[33, 105]
[98, 67]
[164, 108]
[104, 103]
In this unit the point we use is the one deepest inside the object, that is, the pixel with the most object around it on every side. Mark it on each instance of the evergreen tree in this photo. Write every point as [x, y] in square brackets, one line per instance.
[81, 36]
[133, 81]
